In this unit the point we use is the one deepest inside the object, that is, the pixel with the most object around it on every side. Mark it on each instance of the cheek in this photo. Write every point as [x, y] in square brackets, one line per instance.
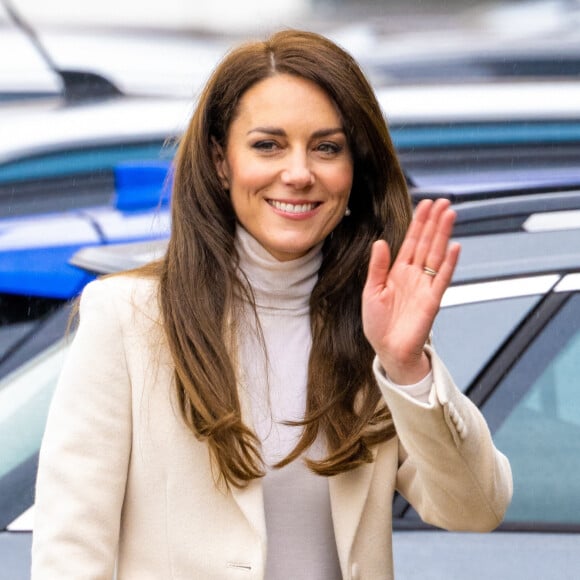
[248, 175]
[340, 182]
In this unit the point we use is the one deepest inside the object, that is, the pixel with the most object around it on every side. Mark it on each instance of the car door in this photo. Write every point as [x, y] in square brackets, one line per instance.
[528, 388]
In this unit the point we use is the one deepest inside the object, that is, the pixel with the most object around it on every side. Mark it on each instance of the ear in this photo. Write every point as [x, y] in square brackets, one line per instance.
[220, 163]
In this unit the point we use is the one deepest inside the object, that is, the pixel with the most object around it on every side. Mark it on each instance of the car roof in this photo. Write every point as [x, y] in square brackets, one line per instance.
[40, 128]
[508, 211]
[27, 76]
[507, 102]
[481, 102]
[518, 235]
[178, 63]
[511, 255]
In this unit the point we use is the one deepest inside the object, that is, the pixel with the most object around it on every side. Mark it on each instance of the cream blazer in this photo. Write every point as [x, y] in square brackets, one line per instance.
[124, 486]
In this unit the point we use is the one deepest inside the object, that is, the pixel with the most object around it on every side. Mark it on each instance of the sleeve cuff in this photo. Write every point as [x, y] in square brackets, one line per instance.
[419, 391]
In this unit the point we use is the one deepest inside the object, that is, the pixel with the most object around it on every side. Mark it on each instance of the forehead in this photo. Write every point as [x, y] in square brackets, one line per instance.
[285, 98]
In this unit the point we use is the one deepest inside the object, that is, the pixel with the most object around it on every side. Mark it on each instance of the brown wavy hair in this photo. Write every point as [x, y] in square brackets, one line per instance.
[199, 283]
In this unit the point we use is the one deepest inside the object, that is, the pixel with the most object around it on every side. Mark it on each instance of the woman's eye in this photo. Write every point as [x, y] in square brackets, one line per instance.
[265, 145]
[329, 148]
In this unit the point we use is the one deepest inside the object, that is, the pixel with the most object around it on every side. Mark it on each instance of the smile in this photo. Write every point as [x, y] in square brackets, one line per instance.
[291, 207]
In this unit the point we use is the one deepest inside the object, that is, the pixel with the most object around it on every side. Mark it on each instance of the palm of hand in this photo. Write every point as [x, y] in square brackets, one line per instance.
[400, 302]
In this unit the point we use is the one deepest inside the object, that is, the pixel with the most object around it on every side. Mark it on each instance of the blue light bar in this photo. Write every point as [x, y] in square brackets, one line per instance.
[142, 185]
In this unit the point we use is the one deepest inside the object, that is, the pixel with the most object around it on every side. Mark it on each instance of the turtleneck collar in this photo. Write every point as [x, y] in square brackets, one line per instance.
[279, 285]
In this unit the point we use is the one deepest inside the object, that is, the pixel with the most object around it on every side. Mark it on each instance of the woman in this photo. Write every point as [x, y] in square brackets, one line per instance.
[228, 412]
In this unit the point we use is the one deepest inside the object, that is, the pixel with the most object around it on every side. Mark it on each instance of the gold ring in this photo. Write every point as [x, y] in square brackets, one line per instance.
[429, 271]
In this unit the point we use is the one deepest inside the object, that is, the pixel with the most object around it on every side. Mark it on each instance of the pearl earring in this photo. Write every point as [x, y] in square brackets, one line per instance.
[347, 212]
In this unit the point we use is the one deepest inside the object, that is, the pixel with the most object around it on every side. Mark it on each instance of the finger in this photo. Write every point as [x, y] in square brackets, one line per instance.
[444, 276]
[379, 264]
[440, 241]
[409, 245]
[428, 231]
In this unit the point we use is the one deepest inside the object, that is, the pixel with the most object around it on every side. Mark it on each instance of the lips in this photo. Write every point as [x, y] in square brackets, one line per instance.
[295, 208]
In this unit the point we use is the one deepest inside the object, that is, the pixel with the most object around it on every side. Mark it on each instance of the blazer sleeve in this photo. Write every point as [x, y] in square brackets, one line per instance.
[85, 450]
[449, 469]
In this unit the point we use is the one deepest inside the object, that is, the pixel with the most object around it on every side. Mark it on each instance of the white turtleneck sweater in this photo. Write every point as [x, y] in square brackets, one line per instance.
[301, 541]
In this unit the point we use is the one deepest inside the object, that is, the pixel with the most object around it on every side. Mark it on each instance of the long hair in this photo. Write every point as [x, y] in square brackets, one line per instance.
[199, 281]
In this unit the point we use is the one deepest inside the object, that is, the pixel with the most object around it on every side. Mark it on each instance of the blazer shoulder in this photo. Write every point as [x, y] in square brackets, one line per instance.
[130, 295]
[125, 287]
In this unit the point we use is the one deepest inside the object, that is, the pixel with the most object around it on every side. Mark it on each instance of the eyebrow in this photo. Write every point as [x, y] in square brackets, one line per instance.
[281, 133]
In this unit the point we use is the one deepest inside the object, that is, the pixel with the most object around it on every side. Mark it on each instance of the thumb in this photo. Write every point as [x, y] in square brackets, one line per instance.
[379, 264]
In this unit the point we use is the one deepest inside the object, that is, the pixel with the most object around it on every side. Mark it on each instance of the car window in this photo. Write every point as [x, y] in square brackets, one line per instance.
[466, 340]
[25, 396]
[70, 178]
[29, 369]
[453, 163]
[24, 399]
[81, 160]
[20, 316]
[535, 416]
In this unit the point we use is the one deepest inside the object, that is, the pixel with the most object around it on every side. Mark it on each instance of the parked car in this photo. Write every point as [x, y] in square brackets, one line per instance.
[509, 330]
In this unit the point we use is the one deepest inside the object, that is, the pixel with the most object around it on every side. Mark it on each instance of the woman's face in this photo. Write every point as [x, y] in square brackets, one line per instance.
[287, 165]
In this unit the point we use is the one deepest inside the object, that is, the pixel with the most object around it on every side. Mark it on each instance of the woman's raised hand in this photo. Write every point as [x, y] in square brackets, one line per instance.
[400, 300]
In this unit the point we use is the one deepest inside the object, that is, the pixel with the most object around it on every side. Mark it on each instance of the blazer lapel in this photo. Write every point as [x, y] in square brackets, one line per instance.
[250, 499]
[348, 494]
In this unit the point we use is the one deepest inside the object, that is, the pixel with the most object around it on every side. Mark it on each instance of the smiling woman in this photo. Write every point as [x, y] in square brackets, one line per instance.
[287, 165]
[249, 403]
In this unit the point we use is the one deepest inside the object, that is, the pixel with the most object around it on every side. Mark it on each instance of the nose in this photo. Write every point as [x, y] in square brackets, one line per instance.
[298, 173]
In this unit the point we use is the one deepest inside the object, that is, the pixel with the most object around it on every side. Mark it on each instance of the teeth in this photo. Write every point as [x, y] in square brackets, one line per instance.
[292, 208]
